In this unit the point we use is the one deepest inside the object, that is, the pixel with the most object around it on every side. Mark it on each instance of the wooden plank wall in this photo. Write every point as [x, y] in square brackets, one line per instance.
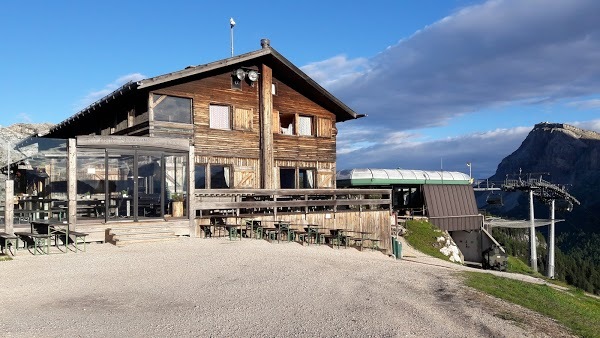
[378, 222]
[240, 146]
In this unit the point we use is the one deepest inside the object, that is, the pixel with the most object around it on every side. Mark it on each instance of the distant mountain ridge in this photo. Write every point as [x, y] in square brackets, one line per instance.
[571, 157]
[19, 131]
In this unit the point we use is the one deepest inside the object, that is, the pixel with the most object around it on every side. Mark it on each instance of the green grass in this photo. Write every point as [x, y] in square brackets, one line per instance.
[573, 309]
[516, 265]
[423, 236]
[5, 257]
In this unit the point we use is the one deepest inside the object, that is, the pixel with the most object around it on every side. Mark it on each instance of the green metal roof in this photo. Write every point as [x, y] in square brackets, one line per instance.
[382, 177]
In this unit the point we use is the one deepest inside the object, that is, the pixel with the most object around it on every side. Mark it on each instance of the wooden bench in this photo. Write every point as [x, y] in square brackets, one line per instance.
[38, 241]
[8, 241]
[78, 238]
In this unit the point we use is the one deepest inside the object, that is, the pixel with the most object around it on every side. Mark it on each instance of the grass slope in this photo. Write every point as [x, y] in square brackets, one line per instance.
[573, 309]
[423, 236]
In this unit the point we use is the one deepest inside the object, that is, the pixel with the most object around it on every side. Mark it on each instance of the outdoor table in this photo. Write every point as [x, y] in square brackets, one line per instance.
[313, 229]
[256, 226]
[52, 229]
[283, 226]
[362, 237]
[233, 227]
[339, 234]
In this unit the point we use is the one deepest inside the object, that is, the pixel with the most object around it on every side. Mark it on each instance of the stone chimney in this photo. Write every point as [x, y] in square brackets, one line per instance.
[264, 43]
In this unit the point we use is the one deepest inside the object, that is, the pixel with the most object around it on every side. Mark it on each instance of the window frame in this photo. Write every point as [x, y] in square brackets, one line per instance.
[155, 105]
[227, 179]
[230, 110]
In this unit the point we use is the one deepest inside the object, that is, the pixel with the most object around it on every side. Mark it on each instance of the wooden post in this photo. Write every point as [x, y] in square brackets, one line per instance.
[72, 183]
[267, 161]
[9, 207]
[191, 196]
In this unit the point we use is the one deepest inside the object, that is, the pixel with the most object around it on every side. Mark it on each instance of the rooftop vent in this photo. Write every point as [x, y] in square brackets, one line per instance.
[264, 43]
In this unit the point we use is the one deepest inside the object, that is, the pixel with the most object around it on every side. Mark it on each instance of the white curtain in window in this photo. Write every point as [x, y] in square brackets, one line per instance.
[226, 174]
[310, 178]
[219, 117]
[305, 125]
[289, 130]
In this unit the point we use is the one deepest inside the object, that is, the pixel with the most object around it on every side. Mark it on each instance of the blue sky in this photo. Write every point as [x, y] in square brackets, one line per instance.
[441, 81]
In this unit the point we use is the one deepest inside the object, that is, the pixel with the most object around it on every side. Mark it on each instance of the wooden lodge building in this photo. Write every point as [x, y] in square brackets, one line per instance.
[247, 137]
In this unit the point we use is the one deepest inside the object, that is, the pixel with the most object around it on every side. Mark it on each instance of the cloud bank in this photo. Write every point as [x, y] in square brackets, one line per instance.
[493, 55]
[109, 88]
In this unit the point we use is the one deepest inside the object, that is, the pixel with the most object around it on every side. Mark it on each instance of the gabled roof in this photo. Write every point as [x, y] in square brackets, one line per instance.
[280, 65]
[277, 62]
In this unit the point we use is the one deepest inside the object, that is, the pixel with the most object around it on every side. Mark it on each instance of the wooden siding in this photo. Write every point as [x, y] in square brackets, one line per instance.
[302, 148]
[236, 143]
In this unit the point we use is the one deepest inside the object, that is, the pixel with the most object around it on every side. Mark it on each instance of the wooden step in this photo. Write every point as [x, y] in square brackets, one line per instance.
[126, 241]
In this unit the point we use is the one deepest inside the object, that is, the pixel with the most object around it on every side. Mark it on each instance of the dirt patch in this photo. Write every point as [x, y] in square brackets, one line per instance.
[531, 321]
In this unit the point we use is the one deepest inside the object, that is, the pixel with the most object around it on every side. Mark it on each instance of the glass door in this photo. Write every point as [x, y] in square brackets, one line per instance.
[120, 174]
[149, 190]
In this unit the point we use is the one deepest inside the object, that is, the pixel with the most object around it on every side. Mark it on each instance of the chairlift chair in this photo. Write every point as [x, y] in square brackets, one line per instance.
[563, 205]
[494, 198]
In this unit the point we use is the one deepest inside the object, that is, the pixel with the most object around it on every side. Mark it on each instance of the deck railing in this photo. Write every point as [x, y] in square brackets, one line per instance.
[262, 201]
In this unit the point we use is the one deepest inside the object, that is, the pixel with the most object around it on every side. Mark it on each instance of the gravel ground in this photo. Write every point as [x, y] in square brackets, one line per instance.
[222, 288]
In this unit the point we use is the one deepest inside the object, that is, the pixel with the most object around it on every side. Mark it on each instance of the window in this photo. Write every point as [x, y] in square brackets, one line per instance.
[200, 176]
[220, 117]
[236, 83]
[219, 176]
[273, 89]
[286, 123]
[172, 109]
[305, 126]
[306, 178]
[287, 178]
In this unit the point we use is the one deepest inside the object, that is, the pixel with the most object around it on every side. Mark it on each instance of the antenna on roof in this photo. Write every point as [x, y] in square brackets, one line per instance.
[231, 25]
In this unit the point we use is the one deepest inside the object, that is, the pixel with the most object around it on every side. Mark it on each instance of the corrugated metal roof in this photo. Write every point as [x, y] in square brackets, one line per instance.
[452, 207]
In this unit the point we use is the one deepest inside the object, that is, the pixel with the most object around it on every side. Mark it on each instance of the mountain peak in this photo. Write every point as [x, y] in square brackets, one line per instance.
[567, 129]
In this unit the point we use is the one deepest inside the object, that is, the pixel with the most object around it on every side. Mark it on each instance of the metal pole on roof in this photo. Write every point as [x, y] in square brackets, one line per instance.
[231, 25]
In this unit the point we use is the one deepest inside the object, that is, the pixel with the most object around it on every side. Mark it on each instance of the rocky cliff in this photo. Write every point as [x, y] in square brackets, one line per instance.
[570, 156]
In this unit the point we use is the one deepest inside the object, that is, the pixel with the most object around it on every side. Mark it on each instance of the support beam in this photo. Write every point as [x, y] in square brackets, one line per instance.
[532, 241]
[267, 161]
[550, 273]
[9, 207]
[190, 192]
[72, 183]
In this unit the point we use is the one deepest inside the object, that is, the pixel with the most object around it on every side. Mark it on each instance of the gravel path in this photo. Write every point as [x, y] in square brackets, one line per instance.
[222, 288]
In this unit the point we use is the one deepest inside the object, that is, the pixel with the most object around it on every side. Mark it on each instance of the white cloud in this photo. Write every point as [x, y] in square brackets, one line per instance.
[499, 54]
[585, 104]
[24, 117]
[109, 88]
[494, 54]
[588, 125]
[336, 71]
[484, 150]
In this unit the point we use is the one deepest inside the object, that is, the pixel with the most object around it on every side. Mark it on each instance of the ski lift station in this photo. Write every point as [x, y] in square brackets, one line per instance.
[445, 198]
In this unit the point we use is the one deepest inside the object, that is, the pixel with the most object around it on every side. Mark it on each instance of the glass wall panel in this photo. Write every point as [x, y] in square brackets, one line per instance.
[91, 177]
[120, 184]
[176, 185]
[149, 185]
[38, 168]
